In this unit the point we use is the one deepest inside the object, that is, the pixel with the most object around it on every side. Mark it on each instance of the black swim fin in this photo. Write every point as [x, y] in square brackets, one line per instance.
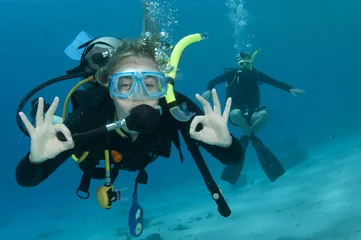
[231, 173]
[269, 162]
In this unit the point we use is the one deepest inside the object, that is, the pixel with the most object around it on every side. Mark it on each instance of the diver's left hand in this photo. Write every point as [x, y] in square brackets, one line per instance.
[295, 91]
[215, 129]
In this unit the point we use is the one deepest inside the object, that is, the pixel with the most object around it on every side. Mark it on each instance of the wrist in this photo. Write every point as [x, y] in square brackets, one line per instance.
[227, 142]
[36, 161]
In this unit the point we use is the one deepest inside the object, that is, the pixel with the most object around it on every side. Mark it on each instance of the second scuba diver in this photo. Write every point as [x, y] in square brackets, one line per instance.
[243, 87]
[129, 119]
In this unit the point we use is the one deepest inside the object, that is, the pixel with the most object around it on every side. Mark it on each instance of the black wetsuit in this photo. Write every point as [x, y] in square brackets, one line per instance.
[94, 109]
[243, 88]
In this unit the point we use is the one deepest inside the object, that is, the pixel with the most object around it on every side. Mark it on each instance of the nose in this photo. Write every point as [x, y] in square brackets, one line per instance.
[138, 93]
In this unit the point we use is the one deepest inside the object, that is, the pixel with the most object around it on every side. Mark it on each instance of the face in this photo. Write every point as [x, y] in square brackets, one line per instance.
[245, 66]
[244, 62]
[123, 106]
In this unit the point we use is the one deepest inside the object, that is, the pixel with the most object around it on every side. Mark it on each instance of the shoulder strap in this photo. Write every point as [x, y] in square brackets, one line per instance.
[177, 144]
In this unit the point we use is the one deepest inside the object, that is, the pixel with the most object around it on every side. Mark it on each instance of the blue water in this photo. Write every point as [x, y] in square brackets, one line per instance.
[312, 45]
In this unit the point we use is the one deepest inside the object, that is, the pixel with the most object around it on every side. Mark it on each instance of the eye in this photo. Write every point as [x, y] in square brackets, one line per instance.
[125, 86]
[125, 83]
[150, 82]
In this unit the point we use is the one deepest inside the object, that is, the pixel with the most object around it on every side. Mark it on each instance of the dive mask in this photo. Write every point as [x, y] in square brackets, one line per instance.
[138, 85]
[243, 63]
[243, 59]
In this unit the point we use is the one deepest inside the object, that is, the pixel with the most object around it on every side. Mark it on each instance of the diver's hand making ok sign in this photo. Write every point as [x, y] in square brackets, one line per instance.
[215, 129]
[44, 142]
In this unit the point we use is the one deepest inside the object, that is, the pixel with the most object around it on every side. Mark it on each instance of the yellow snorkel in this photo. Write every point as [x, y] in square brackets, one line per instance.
[253, 56]
[173, 105]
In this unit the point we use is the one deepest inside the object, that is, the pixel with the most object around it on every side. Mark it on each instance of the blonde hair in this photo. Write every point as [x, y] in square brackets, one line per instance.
[140, 47]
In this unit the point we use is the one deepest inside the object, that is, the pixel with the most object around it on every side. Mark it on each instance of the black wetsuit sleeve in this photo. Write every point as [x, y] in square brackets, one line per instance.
[30, 175]
[225, 77]
[233, 154]
[266, 79]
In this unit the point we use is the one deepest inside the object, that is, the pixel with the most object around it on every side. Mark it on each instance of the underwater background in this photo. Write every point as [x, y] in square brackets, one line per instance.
[312, 45]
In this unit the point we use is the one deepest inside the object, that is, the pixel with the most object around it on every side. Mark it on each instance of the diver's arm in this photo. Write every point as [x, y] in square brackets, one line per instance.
[30, 175]
[278, 84]
[227, 76]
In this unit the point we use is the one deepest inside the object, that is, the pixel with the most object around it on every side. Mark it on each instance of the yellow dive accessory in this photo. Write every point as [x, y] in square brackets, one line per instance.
[255, 53]
[103, 197]
[65, 108]
[174, 108]
[106, 194]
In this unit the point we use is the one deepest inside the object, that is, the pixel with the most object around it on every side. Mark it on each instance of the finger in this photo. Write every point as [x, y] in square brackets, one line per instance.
[64, 130]
[196, 120]
[39, 120]
[51, 111]
[216, 103]
[197, 136]
[192, 130]
[206, 106]
[67, 145]
[227, 109]
[29, 127]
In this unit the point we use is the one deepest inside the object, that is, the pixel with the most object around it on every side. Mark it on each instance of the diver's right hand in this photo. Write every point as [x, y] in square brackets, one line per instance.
[44, 142]
[206, 95]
